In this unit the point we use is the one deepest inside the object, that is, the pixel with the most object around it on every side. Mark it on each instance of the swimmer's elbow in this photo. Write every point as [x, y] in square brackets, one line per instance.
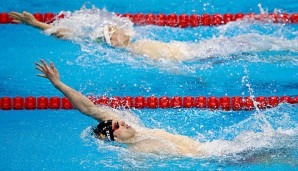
[59, 35]
[62, 33]
[89, 112]
[97, 113]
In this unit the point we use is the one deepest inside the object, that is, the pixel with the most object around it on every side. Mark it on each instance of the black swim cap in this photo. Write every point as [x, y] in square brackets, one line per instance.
[105, 129]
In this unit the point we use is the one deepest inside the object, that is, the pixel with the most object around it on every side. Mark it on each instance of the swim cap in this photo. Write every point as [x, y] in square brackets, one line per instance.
[103, 34]
[105, 129]
[107, 35]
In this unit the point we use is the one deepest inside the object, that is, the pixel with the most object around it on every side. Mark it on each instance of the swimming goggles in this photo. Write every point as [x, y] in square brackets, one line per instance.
[107, 34]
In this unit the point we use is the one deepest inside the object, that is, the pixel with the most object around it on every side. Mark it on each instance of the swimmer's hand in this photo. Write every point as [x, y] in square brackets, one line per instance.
[49, 72]
[29, 19]
[25, 18]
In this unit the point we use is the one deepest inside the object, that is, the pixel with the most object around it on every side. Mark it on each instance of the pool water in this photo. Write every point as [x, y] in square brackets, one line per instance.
[265, 65]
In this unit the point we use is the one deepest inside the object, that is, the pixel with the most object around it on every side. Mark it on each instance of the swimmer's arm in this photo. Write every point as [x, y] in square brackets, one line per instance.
[29, 19]
[81, 103]
[84, 105]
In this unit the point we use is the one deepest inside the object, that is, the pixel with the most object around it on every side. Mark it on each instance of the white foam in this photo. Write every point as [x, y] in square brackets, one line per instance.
[254, 146]
[88, 24]
[234, 38]
[252, 42]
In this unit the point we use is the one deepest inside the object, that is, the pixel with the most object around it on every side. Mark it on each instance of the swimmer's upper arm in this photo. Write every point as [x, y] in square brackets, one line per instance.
[102, 113]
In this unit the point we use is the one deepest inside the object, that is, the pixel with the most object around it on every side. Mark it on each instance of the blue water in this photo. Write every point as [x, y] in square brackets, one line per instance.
[56, 140]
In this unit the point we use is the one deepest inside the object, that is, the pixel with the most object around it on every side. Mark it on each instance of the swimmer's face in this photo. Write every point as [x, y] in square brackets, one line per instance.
[119, 38]
[123, 132]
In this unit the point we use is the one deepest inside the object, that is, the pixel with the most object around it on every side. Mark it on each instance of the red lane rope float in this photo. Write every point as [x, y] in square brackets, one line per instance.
[174, 20]
[214, 103]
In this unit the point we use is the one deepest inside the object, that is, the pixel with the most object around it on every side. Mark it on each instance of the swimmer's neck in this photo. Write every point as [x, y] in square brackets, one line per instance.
[130, 45]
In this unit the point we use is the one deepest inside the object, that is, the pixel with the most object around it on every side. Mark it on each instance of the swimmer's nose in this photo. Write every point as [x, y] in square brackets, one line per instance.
[122, 123]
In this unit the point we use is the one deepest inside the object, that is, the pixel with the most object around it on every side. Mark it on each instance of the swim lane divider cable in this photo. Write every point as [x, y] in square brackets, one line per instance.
[178, 20]
[164, 102]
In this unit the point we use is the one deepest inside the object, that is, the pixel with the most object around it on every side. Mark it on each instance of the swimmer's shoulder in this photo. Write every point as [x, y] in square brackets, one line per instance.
[147, 42]
[107, 113]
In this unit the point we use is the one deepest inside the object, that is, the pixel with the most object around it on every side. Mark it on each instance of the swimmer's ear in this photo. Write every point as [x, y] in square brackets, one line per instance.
[112, 29]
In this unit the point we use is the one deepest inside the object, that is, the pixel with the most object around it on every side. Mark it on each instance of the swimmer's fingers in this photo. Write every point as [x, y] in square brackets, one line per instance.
[46, 67]
[37, 68]
[16, 16]
[14, 13]
[41, 75]
[38, 64]
[25, 13]
[16, 21]
[53, 67]
[40, 67]
[28, 15]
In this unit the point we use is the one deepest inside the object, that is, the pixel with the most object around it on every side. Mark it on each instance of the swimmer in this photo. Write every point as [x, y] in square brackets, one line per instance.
[113, 128]
[117, 38]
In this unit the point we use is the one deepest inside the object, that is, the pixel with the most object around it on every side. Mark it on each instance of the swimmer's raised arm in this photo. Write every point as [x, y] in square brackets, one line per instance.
[82, 103]
[29, 19]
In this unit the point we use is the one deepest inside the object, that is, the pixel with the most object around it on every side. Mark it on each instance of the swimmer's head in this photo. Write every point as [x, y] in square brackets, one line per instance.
[114, 130]
[112, 36]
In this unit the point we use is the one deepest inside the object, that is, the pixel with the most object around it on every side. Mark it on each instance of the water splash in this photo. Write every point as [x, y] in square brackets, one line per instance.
[86, 25]
[254, 141]
[252, 42]
[223, 42]
[260, 117]
[262, 10]
[248, 144]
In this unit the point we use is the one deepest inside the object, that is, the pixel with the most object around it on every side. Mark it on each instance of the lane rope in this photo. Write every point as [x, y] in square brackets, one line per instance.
[176, 20]
[152, 102]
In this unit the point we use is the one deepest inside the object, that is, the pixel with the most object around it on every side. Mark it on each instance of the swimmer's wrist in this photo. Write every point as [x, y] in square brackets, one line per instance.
[41, 25]
[36, 23]
[57, 84]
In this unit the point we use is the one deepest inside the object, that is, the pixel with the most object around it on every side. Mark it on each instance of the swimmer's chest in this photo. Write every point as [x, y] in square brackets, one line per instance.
[162, 142]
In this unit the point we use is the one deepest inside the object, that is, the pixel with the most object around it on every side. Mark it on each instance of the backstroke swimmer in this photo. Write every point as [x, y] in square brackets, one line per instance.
[115, 37]
[114, 128]
[106, 27]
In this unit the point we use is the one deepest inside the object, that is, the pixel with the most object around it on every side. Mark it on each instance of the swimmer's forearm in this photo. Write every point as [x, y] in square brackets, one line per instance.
[59, 33]
[81, 103]
[41, 25]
